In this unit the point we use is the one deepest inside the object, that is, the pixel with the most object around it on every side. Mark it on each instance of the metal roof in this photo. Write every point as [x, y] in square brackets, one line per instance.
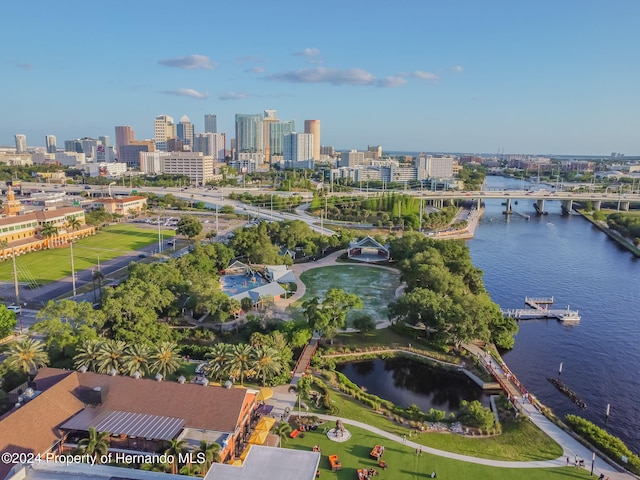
[143, 425]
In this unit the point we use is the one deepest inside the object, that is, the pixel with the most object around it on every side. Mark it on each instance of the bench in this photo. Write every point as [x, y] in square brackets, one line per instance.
[294, 433]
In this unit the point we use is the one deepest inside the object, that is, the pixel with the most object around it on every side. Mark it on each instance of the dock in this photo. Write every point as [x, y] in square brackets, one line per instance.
[539, 308]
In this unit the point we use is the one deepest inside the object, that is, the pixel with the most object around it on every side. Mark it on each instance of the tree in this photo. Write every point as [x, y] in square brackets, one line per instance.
[328, 317]
[219, 359]
[189, 226]
[49, 231]
[246, 304]
[111, 356]
[282, 429]
[88, 355]
[242, 361]
[475, 415]
[7, 321]
[95, 445]
[210, 453]
[176, 449]
[364, 323]
[165, 359]
[73, 223]
[136, 359]
[27, 355]
[267, 363]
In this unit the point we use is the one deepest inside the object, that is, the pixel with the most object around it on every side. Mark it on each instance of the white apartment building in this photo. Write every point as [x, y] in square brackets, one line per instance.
[298, 150]
[198, 167]
[210, 144]
[151, 162]
[69, 159]
[352, 158]
[106, 169]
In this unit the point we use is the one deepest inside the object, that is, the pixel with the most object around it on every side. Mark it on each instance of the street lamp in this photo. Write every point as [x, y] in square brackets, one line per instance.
[593, 461]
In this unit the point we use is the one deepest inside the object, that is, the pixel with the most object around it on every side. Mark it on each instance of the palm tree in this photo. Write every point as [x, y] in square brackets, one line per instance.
[88, 355]
[267, 363]
[73, 223]
[49, 231]
[95, 445]
[282, 429]
[99, 276]
[27, 355]
[176, 448]
[241, 361]
[136, 359]
[166, 359]
[110, 356]
[218, 365]
[207, 453]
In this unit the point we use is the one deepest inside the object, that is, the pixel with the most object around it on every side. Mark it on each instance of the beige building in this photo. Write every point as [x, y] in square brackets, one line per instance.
[313, 127]
[122, 206]
[198, 167]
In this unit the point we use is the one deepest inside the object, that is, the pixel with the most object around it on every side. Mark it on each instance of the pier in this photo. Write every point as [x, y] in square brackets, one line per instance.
[539, 309]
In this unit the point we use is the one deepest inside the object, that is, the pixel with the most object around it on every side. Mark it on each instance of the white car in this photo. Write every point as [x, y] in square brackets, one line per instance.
[14, 308]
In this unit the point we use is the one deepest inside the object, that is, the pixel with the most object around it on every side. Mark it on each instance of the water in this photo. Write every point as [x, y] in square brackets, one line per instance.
[567, 258]
[405, 382]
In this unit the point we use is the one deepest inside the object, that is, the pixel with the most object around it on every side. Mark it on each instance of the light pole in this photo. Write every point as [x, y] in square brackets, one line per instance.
[593, 461]
[73, 272]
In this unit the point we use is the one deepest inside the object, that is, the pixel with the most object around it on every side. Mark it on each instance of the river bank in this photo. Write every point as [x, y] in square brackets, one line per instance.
[612, 234]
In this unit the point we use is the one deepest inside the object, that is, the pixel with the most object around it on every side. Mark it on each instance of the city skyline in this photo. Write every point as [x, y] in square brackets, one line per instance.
[546, 78]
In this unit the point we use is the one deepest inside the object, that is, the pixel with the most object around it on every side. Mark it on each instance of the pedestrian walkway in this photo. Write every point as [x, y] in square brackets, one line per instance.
[285, 401]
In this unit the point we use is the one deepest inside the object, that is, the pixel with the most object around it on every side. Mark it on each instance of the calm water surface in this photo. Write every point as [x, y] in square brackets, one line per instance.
[567, 258]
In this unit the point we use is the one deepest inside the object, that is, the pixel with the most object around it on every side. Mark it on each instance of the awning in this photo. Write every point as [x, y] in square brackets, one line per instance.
[155, 427]
[258, 437]
[264, 409]
[264, 394]
[265, 424]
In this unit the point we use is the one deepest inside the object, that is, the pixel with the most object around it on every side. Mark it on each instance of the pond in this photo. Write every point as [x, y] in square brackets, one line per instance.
[405, 382]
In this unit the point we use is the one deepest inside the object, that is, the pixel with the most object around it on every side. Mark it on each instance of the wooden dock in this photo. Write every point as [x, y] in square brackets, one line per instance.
[539, 309]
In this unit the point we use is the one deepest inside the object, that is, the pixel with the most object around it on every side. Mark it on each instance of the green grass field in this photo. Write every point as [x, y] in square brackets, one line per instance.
[375, 286]
[404, 464]
[50, 265]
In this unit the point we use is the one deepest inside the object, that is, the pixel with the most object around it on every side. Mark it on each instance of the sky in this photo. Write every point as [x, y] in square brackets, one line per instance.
[540, 77]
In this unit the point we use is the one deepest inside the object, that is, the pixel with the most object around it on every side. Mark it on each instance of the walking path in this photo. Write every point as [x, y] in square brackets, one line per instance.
[285, 402]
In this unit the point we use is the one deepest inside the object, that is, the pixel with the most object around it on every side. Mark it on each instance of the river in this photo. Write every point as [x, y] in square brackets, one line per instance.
[569, 259]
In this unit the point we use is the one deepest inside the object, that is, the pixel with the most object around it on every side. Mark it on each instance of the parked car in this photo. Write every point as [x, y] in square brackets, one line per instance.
[14, 308]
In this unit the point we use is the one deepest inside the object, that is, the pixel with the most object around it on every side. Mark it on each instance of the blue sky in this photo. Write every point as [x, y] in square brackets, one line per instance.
[548, 77]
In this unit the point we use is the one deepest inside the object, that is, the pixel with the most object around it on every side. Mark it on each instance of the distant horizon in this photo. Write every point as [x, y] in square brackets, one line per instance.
[465, 76]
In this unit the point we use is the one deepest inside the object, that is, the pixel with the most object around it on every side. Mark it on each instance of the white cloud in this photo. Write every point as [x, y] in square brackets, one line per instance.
[333, 76]
[255, 70]
[392, 81]
[431, 77]
[308, 52]
[190, 62]
[187, 92]
[233, 96]
[458, 69]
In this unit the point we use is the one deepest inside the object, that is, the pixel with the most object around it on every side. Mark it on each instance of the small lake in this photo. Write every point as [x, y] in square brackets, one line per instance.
[405, 382]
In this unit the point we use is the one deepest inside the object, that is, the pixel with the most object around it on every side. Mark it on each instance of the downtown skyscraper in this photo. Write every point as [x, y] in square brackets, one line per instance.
[249, 133]
[210, 123]
[313, 127]
[21, 143]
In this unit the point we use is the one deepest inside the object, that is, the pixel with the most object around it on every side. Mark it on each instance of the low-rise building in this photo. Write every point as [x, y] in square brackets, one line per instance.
[122, 205]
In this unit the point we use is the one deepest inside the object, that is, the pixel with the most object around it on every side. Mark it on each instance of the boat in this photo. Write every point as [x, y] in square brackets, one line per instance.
[570, 317]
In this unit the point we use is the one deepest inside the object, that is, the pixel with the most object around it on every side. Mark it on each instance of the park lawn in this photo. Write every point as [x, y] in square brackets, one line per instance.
[521, 441]
[375, 286]
[404, 464]
[50, 265]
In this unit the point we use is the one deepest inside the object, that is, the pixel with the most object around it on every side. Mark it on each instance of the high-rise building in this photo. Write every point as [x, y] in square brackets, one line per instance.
[270, 118]
[124, 136]
[21, 143]
[210, 123]
[211, 144]
[163, 130]
[249, 133]
[352, 158]
[50, 141]
[130, 154]
[313, 127]
[298, 150]
[375, 150]
[184, 131]
[106, 140]
[277, 133]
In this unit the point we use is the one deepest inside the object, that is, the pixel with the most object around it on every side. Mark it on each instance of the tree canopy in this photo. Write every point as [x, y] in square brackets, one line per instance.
[445, 293]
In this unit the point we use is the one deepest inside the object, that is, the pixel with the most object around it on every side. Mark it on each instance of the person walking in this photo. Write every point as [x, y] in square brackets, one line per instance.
[404, 438]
